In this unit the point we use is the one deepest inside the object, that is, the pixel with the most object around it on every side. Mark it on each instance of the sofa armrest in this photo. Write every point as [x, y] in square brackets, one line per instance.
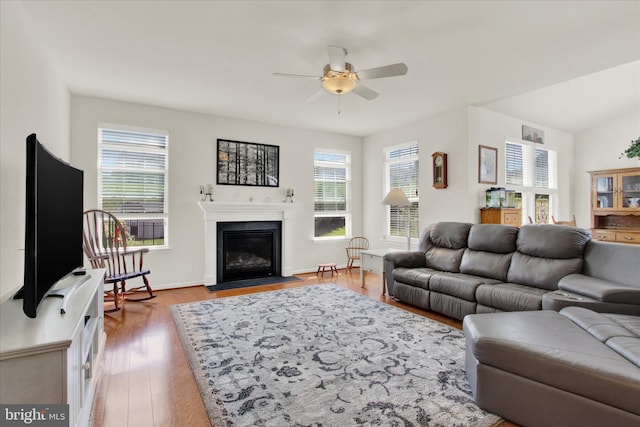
[602, 290]
[406, 259]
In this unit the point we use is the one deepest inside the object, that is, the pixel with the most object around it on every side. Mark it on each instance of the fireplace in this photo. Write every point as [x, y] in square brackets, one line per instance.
[215, 212]
[248, 250]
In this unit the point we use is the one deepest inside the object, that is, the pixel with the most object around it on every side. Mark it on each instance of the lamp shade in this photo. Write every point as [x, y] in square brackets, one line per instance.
[396, 197]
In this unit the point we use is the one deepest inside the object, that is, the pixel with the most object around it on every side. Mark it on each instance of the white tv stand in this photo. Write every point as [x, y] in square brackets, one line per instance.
[55, 358]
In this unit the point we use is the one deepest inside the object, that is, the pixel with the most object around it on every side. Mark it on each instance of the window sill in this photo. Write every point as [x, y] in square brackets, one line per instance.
[330, 239]
[153, 248]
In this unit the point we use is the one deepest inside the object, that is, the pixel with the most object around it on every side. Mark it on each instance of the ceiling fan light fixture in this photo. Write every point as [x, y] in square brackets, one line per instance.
[339, 77]
[339, 82]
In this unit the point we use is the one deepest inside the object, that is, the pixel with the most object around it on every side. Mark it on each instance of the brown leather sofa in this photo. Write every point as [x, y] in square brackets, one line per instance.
[546, 368]
[462, 269]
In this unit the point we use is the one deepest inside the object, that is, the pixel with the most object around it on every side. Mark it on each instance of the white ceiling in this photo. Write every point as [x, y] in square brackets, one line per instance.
[565, 64]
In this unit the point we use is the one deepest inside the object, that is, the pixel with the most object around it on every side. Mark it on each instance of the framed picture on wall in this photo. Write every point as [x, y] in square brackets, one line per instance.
[532, 134]
[487, 165]
[247, 163]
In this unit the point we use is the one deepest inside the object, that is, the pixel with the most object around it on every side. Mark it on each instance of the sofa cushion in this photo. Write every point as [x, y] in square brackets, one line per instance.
[450, 235]
[632, 323]
[546, 253]
[547, 347]
[627, 347]
[552, 241]
[619, 332]
[602, 290]
[443, 245]
[413, 276]
[510, 297]
[495, 238]
[598, 325]
[448, 305]
[444, 259]
[486, 264]
[541, 273]
[458, 285]
[412, 295]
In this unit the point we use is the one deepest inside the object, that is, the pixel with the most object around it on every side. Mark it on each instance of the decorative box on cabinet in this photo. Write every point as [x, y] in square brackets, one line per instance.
[508, 216]
[55, 358]
[615, 205]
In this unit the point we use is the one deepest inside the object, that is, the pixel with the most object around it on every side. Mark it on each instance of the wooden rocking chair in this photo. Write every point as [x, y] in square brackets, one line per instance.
[353, 249]
[105, 244]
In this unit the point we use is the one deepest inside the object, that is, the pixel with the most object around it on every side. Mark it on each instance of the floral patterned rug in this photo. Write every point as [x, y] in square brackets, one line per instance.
[323, 355]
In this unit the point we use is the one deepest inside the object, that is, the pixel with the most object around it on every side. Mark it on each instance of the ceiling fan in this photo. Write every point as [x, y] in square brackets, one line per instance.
[339, 76]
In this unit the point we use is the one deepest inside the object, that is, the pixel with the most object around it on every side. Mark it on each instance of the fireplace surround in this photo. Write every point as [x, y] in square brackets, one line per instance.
[215, 212]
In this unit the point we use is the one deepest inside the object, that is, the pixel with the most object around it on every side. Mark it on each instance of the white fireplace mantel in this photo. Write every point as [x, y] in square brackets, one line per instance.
[215, 212]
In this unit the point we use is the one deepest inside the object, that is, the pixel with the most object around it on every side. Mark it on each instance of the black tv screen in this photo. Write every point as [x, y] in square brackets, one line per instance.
[53, 226]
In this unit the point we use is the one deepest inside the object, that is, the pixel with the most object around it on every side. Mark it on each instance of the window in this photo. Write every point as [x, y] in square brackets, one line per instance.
[532, 170]
[332, 180]
[402, 171]
[132, 182]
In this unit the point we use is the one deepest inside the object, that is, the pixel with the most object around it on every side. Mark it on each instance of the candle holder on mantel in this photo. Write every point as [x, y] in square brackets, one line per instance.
[207, 191]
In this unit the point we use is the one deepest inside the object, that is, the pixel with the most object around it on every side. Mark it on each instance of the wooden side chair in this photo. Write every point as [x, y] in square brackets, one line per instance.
[356, 244]
[105, 245]
[571, 222]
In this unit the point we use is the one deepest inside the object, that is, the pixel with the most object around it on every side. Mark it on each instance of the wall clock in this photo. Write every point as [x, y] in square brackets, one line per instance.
[439, 170]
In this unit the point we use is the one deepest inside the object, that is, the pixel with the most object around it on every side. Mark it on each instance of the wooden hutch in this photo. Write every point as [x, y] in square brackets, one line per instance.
[615, 205]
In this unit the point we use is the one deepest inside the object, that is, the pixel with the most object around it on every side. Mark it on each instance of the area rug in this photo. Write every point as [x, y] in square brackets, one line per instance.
[323, 355]
[251, 282]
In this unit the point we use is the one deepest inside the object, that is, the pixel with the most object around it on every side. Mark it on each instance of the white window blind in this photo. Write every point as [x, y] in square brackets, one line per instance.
[402, 171]
[132, 182]
[514, 161]
[532, 172]
[332, 179]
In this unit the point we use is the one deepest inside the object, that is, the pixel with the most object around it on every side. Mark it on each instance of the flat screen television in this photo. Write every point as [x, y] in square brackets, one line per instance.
[53, 224]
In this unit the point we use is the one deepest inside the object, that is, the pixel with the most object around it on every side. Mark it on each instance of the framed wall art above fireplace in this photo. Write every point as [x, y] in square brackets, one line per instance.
[247, 163]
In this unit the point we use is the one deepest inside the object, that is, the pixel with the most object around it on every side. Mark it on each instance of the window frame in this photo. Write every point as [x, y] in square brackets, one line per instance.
[414, 199]
[124, 217]
[528, 188]
[346, 213]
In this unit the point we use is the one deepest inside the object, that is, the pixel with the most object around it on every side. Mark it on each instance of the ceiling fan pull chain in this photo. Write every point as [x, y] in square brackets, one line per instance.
[339, 104]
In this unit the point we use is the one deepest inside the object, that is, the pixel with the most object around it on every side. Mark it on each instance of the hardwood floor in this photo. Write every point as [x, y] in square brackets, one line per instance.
[146, 379]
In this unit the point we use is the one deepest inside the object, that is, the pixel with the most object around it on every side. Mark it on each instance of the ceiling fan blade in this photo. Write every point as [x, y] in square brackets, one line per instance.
[365, 92]
[316, 95]
[399, 69]
[303, 76]
[337, 57]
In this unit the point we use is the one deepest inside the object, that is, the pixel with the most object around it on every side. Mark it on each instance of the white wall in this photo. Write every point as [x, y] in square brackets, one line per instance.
[192, 145]
[458, 133]
[444, 132]
[493, 129]
[33, 99]
[600, 148]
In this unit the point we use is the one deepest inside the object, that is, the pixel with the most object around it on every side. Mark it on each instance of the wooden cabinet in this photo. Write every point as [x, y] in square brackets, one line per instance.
[508, 216]
[615, 205]
[55, 358]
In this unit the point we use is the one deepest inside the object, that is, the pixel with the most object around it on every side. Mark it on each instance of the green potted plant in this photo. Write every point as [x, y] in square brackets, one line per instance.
[632, 151]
